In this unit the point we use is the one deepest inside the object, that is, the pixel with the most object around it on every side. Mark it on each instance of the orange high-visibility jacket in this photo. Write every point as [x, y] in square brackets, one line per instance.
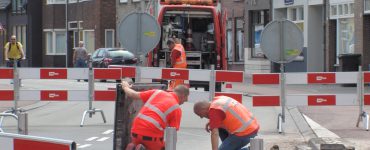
[155, 111]
[239, 120]
[181, 61]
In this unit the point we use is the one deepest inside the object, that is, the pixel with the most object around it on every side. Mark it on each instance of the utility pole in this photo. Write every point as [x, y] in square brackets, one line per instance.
[66, 13]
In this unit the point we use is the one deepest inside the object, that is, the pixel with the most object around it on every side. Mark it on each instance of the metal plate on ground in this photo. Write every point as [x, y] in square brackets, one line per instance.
[282, 41]
[139, 33]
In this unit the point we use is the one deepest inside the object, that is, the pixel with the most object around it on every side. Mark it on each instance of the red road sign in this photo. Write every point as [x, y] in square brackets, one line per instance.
[266, 101]
[175, 74]
[328, 78]
[57, 95]
[266, 78]
[321, 100]
[6, 73]
[229, 76]
[53, 73]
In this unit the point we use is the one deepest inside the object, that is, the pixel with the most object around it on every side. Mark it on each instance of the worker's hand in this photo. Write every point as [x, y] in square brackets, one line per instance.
[125, 84]
[23, 58]
[6, 59]
[207, 128]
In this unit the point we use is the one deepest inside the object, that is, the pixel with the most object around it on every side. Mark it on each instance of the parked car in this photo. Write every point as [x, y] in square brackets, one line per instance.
[103, 57]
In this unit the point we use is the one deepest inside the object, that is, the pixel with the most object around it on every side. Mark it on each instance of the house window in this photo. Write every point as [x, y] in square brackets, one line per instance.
[55, 42]
[20, 31]
[123, 1]
[345, 36]
[343, 10]
[48, 2]
[229, 46]
[296, 14]
[239, 45]
[259, 20]
[17, 7]
[109, 38]
[367, 6]
[89, 40]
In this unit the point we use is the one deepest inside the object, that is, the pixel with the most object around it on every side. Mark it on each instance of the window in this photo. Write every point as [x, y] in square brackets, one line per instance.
[20, 31]
[55, 42]
[333, 10]
[109, 38]
[229, 46]
[48, 2]
[17, 6]
[123, 1]
[296, 14]
[256, 31]
[367, 6]
[343, 10]
[239, 45]
[345, 36]
[89, 40]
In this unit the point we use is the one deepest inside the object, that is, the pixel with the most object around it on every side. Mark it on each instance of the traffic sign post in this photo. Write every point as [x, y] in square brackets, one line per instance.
[282, 42]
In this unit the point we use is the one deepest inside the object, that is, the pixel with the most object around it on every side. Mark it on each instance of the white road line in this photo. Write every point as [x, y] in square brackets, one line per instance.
[108, 132]
[84, 146]
[103, 139]
[92, 138]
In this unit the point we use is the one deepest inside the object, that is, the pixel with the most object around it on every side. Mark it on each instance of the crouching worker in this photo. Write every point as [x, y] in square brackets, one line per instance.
[229, 120]
[160, 110]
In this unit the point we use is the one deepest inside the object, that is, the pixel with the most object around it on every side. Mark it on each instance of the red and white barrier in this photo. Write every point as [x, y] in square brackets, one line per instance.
[183, 74]
[308, 78]
[24, 142]
[311, 100]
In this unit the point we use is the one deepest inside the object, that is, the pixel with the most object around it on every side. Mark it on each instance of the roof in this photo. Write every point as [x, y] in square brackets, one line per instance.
[4, 4]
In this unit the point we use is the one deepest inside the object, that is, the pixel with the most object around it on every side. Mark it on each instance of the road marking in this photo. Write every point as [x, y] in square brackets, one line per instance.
[108, 132]
[92, 138]
[319, 130]
[103, 139]
[84, 146]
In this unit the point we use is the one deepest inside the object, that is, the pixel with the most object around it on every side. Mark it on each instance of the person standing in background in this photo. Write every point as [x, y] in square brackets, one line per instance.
[80, 57]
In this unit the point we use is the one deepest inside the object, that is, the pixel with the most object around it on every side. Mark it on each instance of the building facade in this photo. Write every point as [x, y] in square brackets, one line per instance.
[234, 9]
[309, 15]
[23, 19]
[91, 21]
[257, 16]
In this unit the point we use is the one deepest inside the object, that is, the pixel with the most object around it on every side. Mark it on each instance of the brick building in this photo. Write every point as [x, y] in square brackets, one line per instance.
[91, 21]
[17, 17]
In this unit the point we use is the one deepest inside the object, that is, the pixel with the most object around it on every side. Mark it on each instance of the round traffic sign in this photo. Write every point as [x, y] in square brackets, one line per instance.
[281, 41]
[139, 33]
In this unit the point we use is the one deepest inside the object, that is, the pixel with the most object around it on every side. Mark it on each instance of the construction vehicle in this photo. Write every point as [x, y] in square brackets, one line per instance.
[199, 25]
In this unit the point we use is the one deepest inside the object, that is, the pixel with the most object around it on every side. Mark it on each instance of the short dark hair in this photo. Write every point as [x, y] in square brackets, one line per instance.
[170, 41]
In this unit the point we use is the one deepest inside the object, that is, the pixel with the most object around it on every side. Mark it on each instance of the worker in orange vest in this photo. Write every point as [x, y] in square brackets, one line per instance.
[161, 109]
[229, 120]
[178, 60]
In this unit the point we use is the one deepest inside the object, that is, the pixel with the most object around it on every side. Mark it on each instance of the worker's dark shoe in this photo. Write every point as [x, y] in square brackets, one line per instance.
[130, 146]
[140, 147]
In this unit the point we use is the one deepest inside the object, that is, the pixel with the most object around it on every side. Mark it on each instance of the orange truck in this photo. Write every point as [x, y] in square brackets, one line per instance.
[200, 26]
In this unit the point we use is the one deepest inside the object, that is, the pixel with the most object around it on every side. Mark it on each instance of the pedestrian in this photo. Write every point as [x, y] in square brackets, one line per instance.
[229, 120]
[161, 109]
[80, 57]
[178, 60]
[13, 52]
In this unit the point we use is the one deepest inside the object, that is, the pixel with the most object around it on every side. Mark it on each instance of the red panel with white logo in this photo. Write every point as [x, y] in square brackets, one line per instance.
[266, 78]
[53, 73]
[6, 95]
[321, 100]
[327, 78]
[127, 71]
[22, 144]
[367, 77]
[6, 73]
[237, 97]
[107, 74]
[366, 99]
[105, 95]
[229, 76]
[266, 101]
[57, 95]
[175, 74]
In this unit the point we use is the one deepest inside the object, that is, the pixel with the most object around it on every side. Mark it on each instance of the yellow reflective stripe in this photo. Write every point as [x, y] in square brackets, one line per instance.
[151, 120]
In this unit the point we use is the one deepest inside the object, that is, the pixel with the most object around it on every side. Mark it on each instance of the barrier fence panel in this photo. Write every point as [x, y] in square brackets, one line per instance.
[10, 141]
[353, 99]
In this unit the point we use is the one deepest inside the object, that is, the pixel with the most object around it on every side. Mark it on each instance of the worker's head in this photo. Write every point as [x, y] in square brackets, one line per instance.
[13, 39]
[171, 43]
[182, 93]
[201, 109]
[81, 44]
